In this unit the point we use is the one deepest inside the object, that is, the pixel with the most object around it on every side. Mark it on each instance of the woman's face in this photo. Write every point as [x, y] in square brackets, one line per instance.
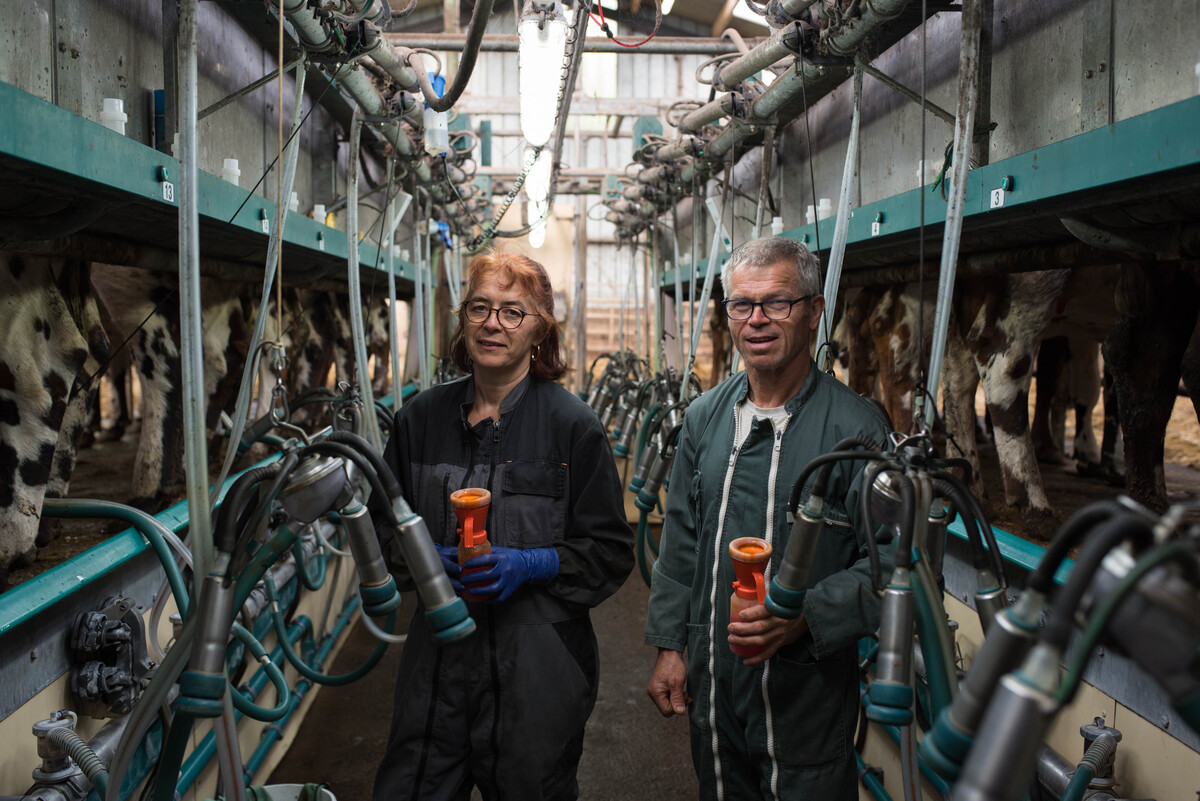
[492, 346]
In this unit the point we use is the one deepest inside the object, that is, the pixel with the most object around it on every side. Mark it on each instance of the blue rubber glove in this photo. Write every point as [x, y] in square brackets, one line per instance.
[449, 555]
[509, 568]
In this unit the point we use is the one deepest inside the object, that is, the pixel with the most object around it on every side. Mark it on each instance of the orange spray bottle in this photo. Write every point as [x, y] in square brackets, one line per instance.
[471, 508]
[750, 557]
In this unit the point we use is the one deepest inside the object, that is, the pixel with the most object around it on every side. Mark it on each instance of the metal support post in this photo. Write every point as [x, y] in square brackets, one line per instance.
[837, 252]
[354, 286]
[963, 131]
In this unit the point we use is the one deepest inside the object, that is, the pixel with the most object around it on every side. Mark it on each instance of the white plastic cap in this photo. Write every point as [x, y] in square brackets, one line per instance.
[318, 212]
[406, 254]
[776, 226]
[810, 214]
[112, 114]
[231, 172]
[824, 208]
[294, 202]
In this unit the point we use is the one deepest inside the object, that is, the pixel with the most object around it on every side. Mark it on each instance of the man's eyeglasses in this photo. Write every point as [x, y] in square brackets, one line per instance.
[773, 309]
[509, 316]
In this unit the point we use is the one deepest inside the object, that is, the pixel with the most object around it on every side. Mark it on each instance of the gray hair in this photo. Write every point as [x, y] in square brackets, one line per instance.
[758, 254]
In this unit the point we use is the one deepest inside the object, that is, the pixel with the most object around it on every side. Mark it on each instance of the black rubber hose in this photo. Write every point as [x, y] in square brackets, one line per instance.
[285, 465]
[466, 64]
[1099, 542]
[979, 555]
[1080, 523]
[985, 527]
[838, 454]
[390, 484]
[955, 462]
[236, 499]
[869, 473]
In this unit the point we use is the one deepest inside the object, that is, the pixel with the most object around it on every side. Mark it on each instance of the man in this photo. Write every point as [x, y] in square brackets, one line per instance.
[779, 725]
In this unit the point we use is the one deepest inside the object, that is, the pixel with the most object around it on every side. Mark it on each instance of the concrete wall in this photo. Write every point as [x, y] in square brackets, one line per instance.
[1052, 65]
[74, 53]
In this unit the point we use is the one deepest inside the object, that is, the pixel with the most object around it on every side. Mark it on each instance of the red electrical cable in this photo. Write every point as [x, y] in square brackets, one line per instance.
[603, 23]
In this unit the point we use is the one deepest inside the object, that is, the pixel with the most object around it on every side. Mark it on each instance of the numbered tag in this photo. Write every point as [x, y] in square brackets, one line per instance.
[266, 226]
[168, 190]
[875, 228]
[997, 200]
[320, 244]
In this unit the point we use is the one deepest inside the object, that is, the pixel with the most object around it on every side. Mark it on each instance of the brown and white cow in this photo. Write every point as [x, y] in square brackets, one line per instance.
[996, 328]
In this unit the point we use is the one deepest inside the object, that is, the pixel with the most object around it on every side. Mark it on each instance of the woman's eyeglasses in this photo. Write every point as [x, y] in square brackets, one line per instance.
[509, 316]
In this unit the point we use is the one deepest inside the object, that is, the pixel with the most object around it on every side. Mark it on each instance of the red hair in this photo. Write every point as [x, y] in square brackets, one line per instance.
[531, 278]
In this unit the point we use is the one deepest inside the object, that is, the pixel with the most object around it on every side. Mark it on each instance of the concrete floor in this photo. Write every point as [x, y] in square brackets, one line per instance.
[631, 753]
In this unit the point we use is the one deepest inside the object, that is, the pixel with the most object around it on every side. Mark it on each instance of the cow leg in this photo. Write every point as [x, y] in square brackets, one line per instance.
[119, 406]
[1084, 381]
[63, 464]
[960, 379]
[41, 353]
[160, 447]
[1159, 305]
[1112, 462]
[1003, 339]
[1190, 370]
[1046, 433]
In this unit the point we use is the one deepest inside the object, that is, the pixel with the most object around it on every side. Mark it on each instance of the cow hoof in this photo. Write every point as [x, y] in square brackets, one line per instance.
[26, 559]
[1048, 454]
[114, 434]
[47, 531]
[1040, 524]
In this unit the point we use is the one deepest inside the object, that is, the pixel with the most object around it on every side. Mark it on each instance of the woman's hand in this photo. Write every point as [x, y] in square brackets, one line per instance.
[759, 628]
[507, 569]
[449, 557]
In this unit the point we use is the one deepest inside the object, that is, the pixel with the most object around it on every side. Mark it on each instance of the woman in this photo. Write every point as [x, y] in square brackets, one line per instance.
[505, 709]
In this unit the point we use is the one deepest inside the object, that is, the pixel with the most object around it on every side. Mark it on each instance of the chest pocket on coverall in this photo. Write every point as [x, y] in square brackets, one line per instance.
[535, 505]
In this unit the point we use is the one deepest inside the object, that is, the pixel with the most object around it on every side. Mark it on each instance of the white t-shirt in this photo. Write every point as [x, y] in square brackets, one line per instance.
[747, 411]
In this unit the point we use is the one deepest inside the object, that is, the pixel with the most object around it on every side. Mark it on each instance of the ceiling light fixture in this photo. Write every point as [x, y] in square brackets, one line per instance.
[542, 40]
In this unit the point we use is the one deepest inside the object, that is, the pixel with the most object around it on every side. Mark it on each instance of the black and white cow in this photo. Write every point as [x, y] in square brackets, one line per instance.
[146, 305]
[49, 328]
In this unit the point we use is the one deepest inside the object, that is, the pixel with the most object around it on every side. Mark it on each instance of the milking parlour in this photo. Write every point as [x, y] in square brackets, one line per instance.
[600, 399]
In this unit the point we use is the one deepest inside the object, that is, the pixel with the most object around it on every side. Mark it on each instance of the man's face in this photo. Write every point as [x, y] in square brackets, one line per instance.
[770, 346]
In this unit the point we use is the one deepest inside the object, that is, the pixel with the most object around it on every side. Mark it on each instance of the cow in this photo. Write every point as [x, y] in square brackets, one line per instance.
[144, 307]
[49, 328]
[995, 327]
[1154, 344]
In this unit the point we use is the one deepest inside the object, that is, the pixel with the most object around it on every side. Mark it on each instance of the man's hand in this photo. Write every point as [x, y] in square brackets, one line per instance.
[758, 627]
[667, 688]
